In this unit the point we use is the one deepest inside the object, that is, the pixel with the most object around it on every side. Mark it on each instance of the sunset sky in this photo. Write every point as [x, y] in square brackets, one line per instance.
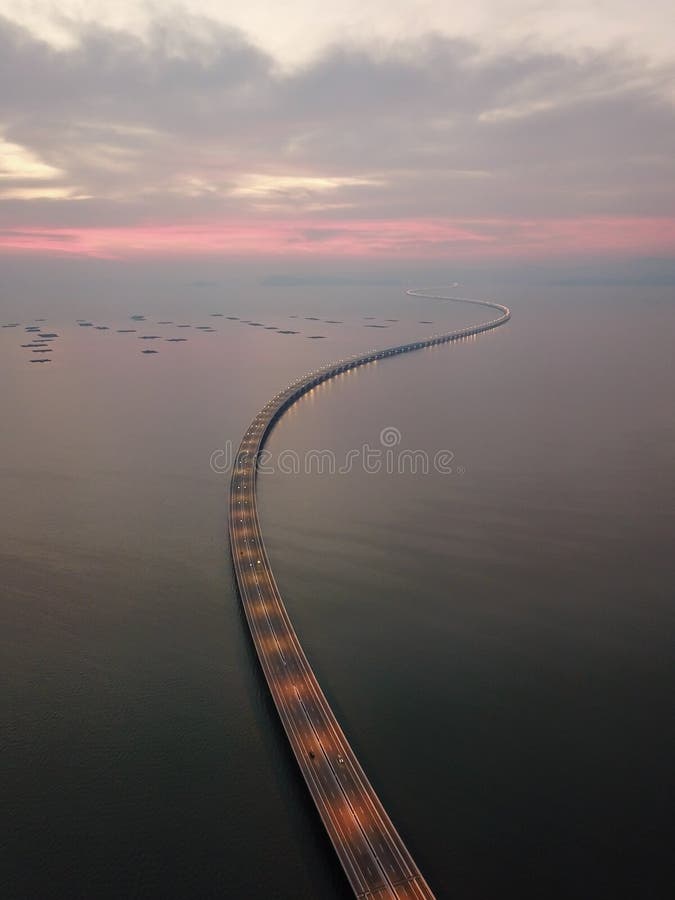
[489, 130]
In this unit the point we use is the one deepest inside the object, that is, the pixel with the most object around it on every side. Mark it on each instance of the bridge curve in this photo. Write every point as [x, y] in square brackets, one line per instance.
[373, 855]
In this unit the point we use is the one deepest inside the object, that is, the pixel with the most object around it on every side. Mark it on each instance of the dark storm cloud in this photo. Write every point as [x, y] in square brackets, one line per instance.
[175, 125]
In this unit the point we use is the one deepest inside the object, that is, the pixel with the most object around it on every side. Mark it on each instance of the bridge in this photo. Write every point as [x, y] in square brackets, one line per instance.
[372, 853]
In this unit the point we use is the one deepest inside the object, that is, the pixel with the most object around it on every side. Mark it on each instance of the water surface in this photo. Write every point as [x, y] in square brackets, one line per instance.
[497, 641]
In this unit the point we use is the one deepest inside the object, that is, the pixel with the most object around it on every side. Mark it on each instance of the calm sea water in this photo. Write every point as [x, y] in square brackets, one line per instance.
[497, 641]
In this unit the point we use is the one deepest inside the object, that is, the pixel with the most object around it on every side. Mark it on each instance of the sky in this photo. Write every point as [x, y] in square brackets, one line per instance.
[483, 131]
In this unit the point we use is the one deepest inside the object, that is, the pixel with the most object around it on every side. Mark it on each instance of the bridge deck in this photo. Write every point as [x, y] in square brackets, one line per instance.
[372, 853]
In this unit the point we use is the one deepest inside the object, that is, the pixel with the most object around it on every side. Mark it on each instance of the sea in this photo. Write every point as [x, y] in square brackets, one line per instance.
[474, 542]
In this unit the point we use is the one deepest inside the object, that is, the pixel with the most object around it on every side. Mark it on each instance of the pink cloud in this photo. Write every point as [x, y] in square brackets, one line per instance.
[392, 238]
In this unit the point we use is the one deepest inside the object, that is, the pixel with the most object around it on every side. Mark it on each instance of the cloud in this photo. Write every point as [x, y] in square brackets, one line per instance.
[386, 239]
[292, 31]
[192, 123]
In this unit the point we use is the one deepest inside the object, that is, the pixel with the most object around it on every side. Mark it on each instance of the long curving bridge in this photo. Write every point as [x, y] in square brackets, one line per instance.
[370, 849]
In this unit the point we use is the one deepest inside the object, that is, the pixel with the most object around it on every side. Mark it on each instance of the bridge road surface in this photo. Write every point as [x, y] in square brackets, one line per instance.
[372, 853]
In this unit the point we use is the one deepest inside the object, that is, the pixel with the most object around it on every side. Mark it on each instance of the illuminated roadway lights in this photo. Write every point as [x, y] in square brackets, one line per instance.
[281, 628]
